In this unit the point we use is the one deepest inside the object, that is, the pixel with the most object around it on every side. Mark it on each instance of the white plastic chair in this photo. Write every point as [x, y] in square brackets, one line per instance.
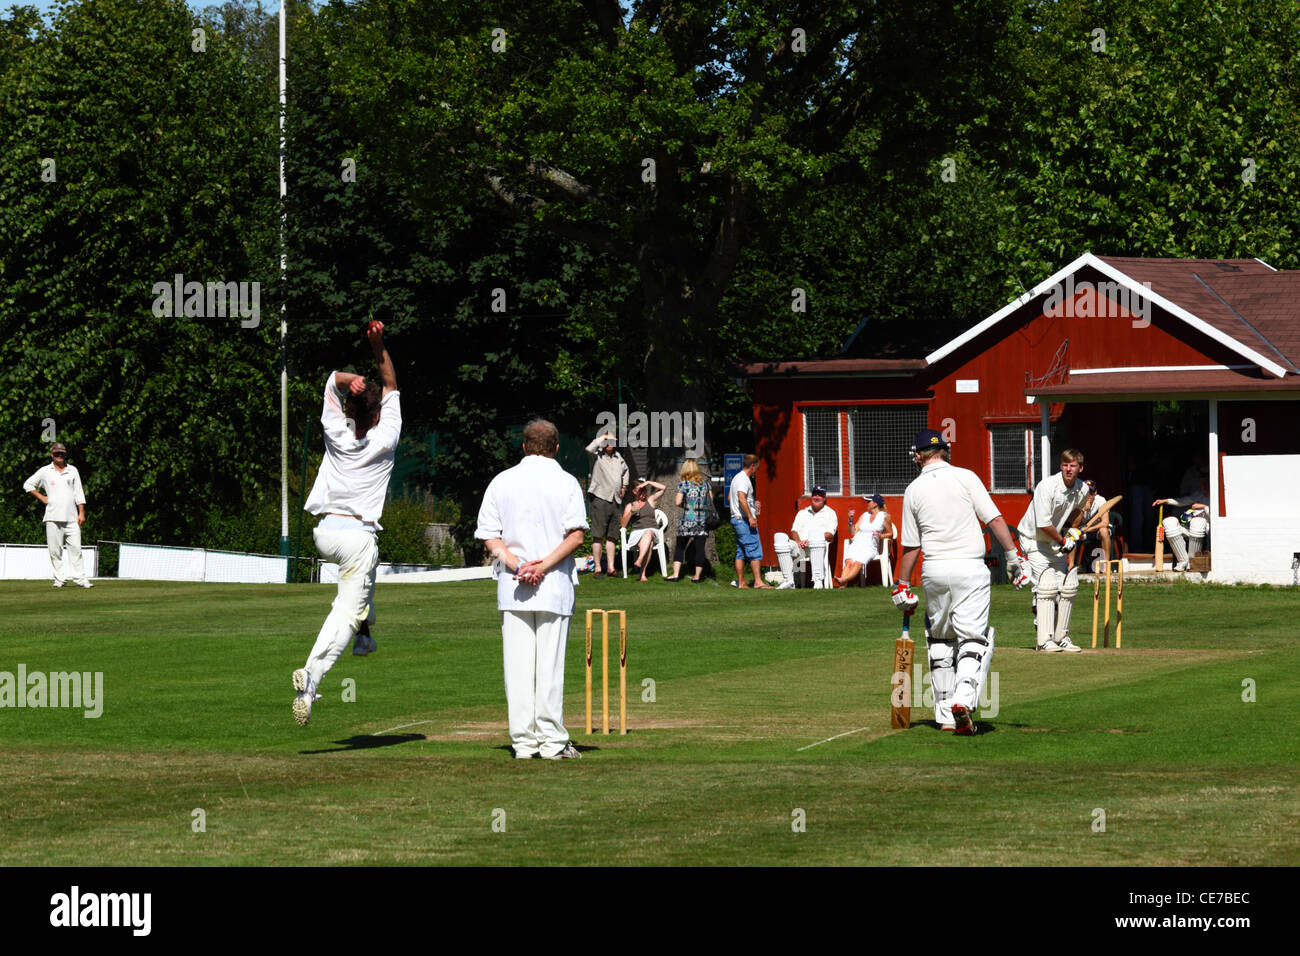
[886, 565]
[661, 520]
[886, 572]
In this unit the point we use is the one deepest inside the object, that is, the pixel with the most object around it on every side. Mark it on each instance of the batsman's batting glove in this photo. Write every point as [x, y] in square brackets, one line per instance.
[904, 599]
[1067, 544]
[1015, 568]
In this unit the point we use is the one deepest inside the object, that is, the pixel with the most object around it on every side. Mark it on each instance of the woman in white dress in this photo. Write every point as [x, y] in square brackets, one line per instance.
[874, 527]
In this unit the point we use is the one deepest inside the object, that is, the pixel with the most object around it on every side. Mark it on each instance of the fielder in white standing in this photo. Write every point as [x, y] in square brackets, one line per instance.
[942, 513]
[58, 486]
[532, 519]
[813, 530]
[362, 424]
[1048, 546]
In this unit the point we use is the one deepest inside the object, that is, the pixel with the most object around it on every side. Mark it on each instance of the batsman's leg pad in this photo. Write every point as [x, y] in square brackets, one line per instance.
[973, 657]
[1176, 538]
[781, 545]
[1048, 593]
[1065, 604]
[817, 556]
[985, 664]
[943, 677]
[1196, 531]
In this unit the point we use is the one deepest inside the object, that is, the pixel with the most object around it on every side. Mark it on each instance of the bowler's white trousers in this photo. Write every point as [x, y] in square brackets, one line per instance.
[357, 555]
[533, 644]
[57, 533]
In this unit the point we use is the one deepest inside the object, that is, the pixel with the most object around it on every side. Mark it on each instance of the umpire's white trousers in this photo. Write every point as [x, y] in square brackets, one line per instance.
[533, 644]
[357, 555]
[957, 604]
[57, 535]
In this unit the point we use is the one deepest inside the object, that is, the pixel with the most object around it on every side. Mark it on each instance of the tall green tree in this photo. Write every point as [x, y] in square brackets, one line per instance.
[132, 149]
[663, 136]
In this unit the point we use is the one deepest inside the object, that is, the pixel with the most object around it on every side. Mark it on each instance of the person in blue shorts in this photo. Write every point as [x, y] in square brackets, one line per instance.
[744, 521]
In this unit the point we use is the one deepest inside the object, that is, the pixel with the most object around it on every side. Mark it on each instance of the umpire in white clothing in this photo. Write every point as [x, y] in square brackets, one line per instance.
[362, 424]
[942, 513]
[532, 519]
[58, 487]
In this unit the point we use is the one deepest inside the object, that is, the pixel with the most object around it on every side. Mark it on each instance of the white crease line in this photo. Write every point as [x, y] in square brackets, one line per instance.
[402, 727]
[829, 739]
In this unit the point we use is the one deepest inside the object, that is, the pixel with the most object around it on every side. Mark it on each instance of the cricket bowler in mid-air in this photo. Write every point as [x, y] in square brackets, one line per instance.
[362, 423]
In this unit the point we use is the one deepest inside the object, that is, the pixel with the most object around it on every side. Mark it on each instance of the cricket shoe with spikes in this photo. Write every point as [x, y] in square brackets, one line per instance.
[1068, 646]
[569, 752]
[302, 703]
[961, 718]
[1051, 647]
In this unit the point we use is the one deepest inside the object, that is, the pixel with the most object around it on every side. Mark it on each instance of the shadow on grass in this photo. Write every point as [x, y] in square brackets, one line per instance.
[367, 742]
[982, 728]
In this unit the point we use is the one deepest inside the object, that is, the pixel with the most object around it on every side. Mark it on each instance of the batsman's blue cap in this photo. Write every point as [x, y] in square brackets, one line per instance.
[929, 439]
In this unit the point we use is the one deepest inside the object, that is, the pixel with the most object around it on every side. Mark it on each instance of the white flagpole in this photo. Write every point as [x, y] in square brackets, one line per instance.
[284, 325]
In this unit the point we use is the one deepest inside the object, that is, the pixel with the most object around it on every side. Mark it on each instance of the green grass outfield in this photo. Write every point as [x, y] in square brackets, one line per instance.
[732, 763]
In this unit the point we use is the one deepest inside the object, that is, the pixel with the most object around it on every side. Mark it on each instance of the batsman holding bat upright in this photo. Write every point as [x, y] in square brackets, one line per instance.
[1045, 528]
[362, 422]
[942, 513]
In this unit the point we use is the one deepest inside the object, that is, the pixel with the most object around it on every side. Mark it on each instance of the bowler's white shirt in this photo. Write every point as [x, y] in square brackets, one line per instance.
[63, 489]
[943, 509]
[353, 477]
[1053, 503]
[531, 507]
[812, 527]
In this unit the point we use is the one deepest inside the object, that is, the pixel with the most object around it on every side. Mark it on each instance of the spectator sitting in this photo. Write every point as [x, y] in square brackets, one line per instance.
[1193, 525]
[813, 529]
[874, 528]
[639, 518]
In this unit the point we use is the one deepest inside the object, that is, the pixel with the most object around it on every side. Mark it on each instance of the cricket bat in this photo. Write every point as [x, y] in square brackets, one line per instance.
[900, 693]
[1160, 540]
[1099, 520]
[1078, 519]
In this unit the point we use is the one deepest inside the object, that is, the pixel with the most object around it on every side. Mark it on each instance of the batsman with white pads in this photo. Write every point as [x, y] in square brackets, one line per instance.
[1048, 546]
[942, 513]
[1186, 532]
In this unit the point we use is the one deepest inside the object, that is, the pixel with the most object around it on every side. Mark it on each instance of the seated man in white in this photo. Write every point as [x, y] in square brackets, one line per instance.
[874, 526]
[813, 529]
